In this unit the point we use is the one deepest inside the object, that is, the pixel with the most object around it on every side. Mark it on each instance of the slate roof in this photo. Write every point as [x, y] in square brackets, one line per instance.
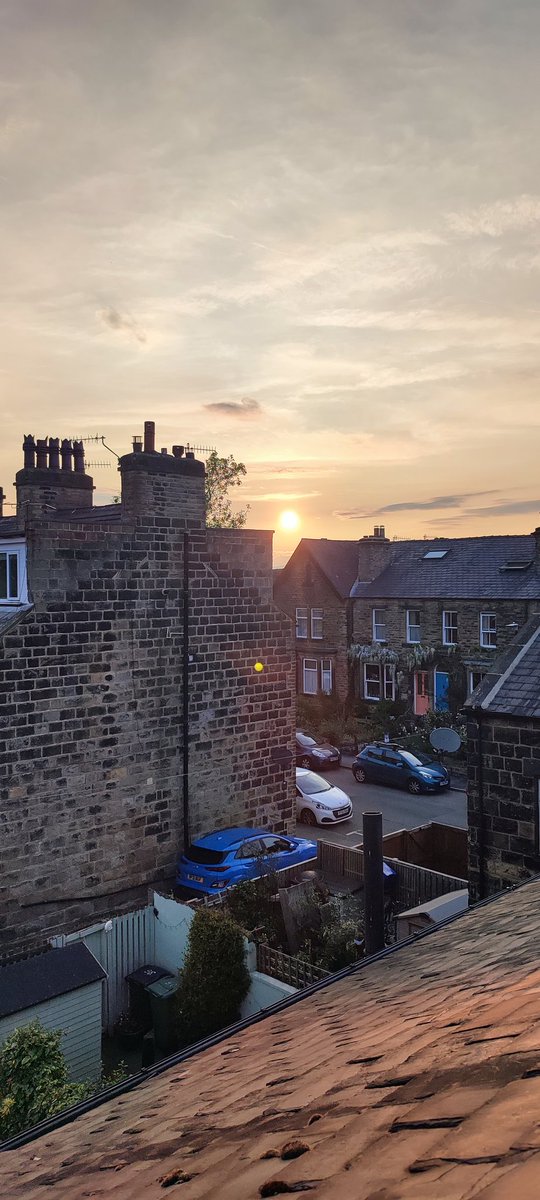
[414, 1077]
[338, 560]
[44, 976]
[512, 685]
[9, 617]
[472, 568]
[89, 514]
[10, 527]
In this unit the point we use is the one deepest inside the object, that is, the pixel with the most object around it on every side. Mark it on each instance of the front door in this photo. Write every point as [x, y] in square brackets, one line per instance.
[442, 681]
[421, 694]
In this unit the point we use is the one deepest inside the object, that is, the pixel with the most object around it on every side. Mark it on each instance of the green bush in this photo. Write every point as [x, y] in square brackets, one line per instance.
[214, 980]
[34, 1079]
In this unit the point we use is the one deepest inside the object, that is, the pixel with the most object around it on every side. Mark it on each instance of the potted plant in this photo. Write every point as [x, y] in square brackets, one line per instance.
[128, 1031]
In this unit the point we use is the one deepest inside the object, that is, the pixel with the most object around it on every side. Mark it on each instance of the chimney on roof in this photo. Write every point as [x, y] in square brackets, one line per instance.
[162, 485]
[536, 536]
[2, 498]
[374, 553]
[47, 481]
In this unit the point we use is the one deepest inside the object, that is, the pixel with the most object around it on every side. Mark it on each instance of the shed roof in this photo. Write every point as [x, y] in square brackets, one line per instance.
[512, 685]
[470, 568]
[33, 980]
[415, 1076]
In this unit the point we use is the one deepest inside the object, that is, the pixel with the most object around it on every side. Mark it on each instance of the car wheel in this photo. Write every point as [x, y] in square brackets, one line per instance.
[413, 787]
[307, 817]
[359, 774]
[305, 762]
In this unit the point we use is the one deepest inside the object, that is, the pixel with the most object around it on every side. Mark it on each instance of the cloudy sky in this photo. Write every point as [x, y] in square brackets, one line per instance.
[305, 233]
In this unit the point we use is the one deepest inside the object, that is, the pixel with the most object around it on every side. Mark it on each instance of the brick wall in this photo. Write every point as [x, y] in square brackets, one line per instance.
[503, 794]
[303, 585]
[91, 706]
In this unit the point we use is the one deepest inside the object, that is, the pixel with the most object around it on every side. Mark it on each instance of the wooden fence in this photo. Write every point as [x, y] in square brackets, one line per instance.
[415, 885]
[286, 968]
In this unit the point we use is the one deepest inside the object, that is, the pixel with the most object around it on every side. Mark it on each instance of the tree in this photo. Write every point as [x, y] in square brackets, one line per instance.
[34, 1079]
[214, 979]
[221, 475]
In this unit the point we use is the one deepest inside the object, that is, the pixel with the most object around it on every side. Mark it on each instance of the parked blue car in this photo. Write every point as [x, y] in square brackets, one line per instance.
[382, 762]
[228, 856]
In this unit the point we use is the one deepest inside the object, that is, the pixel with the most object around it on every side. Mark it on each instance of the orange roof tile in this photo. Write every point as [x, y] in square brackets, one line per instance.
[417, 1076]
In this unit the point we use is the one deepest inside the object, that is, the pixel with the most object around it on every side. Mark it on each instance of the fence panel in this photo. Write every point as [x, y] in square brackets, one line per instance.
[415, 885]
[288, 969]
[120, 945]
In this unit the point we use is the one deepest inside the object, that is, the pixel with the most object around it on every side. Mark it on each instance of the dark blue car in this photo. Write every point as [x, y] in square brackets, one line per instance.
[384, 763]
[228, 856]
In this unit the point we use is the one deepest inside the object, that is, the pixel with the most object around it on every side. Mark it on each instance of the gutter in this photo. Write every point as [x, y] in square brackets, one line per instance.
[121, 1089]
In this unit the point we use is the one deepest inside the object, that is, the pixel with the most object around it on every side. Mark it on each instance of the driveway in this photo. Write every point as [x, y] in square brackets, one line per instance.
[399, 809]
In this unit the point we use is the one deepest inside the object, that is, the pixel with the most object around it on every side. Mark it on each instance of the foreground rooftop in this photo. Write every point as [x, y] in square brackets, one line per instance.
[417, 1075]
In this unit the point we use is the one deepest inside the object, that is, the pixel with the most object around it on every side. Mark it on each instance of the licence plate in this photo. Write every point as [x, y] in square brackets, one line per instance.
[196, 878]
[342, 812]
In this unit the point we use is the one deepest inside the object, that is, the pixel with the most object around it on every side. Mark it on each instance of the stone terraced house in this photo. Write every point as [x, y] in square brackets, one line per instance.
[131, 716]
[503, 748]
[413, 620]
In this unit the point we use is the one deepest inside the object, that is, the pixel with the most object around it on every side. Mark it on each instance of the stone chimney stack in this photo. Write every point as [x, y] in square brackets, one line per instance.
[536, 536]
[157, 485]
[374, 554]
[53, 478]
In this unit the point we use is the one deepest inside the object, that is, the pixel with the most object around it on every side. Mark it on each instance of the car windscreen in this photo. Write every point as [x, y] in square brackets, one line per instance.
[311, 783]
[201, 854]
[416, 760]
[305, 740]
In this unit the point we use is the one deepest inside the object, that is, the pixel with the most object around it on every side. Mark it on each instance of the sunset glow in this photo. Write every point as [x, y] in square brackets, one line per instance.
[289, 520]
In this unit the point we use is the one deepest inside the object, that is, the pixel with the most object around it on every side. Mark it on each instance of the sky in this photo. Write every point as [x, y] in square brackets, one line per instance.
[305, 234]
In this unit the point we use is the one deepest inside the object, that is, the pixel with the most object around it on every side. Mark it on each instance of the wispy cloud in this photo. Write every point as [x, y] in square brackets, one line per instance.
[494, 220]
[122, 323]
[246, 407]
[506, 508]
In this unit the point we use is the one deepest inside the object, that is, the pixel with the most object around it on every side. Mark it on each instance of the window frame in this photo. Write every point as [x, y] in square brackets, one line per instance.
[474, 671]
[312, 670]
[304, 620]
[329, 672]
[413, 641]
[386, 681]
[378, 625]
[15, 550]
[317, 616]
[486, 645]
[447, 625]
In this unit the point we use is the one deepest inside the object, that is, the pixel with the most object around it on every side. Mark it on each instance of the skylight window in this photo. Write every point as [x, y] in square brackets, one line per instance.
[435, 553]
[516, 564]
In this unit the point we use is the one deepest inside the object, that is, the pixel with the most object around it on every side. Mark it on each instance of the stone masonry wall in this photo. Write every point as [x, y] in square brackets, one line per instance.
[506, 789]
[431, 611]
[294, 591]
[91, 713]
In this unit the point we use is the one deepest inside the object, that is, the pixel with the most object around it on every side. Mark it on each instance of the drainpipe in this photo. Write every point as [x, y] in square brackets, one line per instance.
[185, 695]
[373, 882]
[481, 814]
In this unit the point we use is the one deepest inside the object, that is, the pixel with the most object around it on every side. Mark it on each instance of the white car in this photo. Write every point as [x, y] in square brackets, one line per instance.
[317, 802]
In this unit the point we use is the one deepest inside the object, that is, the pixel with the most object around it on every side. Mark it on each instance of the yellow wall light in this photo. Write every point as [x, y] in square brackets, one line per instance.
[258, 666]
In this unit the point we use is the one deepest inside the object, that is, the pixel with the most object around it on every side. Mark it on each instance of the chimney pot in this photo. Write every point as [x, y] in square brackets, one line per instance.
[149, 437]
[66, 451]
[54, 454]
[29, 448]
[1, 502]
[41, 447]
[190, 454]
[164, 450]
[137, 444]
[178, 451]
[78, 457]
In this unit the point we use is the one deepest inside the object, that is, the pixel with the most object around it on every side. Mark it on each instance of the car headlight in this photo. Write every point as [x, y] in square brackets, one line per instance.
[323, 807]
[319, 753]
[426, 774]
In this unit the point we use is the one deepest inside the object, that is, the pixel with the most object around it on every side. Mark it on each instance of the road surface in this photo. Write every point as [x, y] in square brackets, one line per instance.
[400, 810]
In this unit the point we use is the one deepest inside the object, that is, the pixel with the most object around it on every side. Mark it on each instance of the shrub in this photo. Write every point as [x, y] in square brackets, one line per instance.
[215, 978]
[34, 1079]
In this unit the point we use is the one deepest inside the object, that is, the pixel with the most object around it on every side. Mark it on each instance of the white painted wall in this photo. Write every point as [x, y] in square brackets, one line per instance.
[78, 1014]
[172, 922]
[264, 992]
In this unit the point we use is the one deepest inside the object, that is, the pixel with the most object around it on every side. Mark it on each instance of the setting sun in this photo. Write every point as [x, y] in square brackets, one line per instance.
[289, 520]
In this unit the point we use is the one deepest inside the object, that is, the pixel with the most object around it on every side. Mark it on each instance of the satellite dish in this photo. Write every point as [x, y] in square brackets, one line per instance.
[445, 739]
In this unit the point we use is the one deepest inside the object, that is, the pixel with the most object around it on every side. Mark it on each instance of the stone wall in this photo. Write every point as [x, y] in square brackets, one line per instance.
[303, 585]
[91, 706]
[503, 797]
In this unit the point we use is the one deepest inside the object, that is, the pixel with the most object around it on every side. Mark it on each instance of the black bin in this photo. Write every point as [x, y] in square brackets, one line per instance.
[139, 999]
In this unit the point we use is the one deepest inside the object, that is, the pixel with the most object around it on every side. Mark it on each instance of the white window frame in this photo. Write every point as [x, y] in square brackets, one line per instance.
[301, 615]
[317, 615]
[473, 686]
[310, 674]
[15, 550]
[327, 676]
[385, 684]
[378, 627]
[413, 625]
[487, 633]
[449, 625]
